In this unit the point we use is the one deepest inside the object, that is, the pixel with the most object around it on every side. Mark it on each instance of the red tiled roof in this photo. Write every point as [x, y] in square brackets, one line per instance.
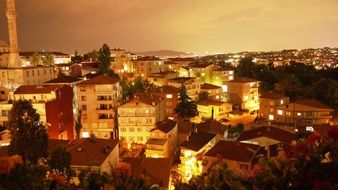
[101, 79]
[198, 140]
[181, 79]
[165, 126]
[207, 86]
[211, 126]
[232, 150]
[243, 80]
[147, 98]
[156, 169]
[87, 151]
[184, 127]
[36, 89]
[280, 135]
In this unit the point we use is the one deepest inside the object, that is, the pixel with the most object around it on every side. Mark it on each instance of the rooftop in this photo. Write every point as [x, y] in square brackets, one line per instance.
[274, 133]
[86, 151]
[165, 126]
[63, 79]
[198, 140]
[100, 79]
[181, 79]
[208, 102]
[164, 89]
[313, 103]
[160, 142]
[36, 89]
[148, 58]
[207, 86]
[232, 150]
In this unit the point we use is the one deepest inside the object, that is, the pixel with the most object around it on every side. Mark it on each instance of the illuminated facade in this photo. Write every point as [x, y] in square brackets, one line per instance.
[121, 60]
[307, 112]
[138, 116]
[221, 76]
[243, 92]
[162, 142]
[170, 96]
[97, 99]
[192, 151]
[192, 84]
[218, 108]
[52, 102]
[268, 103]
[144, 66]
[161, 78]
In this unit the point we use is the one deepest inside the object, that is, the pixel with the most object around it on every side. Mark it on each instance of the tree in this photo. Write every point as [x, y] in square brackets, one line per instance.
[47, 58]
[35, 59]
[326, 91]
[29, 136]
[246, 68]
[91, 56]
[77, 58]
[78, 125]
[203, 96]
[104, 58]
[23, 176]
[225, 65]
[59, 161]
[185, 108]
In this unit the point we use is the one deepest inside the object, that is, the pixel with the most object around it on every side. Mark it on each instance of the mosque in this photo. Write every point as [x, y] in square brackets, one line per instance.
[13, 72]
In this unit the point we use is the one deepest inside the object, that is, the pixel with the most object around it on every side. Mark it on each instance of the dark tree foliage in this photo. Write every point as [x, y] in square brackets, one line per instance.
[186, 108]
[78, 125]
[59, 161]
[138, 85]
[26, 176]
[326, 91]
[104, 58]
[91, 56]
[203, 96]
[29, 135]
[77, 58]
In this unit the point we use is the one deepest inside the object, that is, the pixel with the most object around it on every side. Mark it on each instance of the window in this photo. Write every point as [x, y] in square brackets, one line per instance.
[131, 138]
[84, 107]
[3, 73]
[281, 101]
[38, 72]
[44, 71]
[131, 129]
[33, 73]
[169, 96]
[85, 134]
[280, 112]
[122, 129]
[299, 114]
[84, 116]
[82, 88]
[50, 71]
[139, 138]
[83, 98]
[139, 129]
[27, 73]
[271, 117]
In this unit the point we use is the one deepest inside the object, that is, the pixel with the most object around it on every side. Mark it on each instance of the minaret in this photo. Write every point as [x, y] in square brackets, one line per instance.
[14, 58]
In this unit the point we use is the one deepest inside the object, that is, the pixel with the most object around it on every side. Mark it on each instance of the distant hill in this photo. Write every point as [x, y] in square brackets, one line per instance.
[163, 53]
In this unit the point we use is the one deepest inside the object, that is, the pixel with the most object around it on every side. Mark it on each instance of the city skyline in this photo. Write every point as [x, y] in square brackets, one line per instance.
[198, 26]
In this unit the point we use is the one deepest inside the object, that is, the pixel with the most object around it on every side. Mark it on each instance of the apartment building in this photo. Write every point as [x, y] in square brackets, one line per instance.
[161, 78]
[213, 108]
[243, 92]
[268, 102]
[138, 116]
[52, 102]
[307, 112]
[144, 66]
[162, 142]
[221, 76]
[192, 84]
[97, 99]
[170, 96]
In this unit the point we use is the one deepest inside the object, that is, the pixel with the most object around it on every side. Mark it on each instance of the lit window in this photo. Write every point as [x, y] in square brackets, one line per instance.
[225, 88]
[203, 74]
[146, 111]
[309, 128]
[217, 97]
[169, 96]
[281, 101]
[271, 117]
[246, 97]
[299, 114]
[85, 134]
[187, 153]
[231, 78]
[280, 112]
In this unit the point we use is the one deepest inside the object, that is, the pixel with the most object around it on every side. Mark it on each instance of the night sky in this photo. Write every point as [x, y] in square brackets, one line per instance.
[186, 25]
